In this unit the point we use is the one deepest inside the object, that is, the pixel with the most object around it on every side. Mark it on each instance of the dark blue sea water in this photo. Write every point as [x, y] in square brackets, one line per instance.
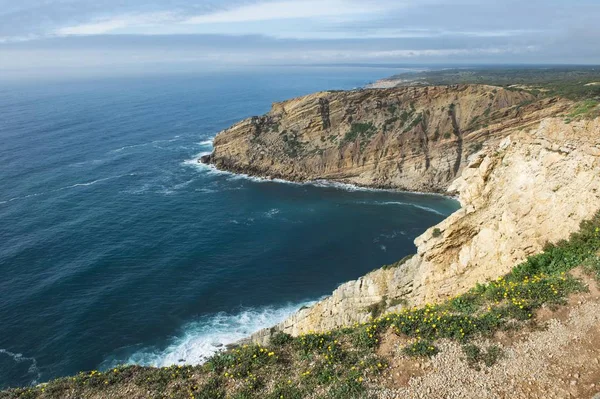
[116, 246]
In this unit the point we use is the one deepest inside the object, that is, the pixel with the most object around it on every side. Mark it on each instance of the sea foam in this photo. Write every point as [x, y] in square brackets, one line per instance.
[33, 369]
[201, 339]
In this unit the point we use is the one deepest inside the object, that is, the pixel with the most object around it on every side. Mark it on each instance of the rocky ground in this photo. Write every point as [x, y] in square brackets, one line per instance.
[558, 359]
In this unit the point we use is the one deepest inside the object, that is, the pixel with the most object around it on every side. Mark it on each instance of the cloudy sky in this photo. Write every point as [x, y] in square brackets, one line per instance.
[62, 35]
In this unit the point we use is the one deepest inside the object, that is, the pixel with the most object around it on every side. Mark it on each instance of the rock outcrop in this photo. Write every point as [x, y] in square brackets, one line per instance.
[523, 176]
[416, 139]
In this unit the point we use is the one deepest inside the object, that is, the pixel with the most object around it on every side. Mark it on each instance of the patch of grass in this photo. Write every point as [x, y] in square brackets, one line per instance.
[436, 233]
[351, 387]
[281, 339]
[592, 266]
[286, 391]
[363, 130]
[422, 348]
[586, 109]
[475, 355]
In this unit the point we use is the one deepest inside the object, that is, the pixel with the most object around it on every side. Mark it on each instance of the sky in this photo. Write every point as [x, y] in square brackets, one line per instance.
[65, 36]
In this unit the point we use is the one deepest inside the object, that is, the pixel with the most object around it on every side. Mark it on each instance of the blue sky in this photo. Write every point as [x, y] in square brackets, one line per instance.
[58, 35]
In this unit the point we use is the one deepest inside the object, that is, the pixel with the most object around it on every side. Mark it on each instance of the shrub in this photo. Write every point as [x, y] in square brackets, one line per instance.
[359, 129]
[377, 309]
[475, 356]
[422, 348]
[281, 339]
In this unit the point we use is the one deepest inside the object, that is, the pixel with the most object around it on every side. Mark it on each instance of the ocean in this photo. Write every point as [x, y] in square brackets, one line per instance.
[117, 247]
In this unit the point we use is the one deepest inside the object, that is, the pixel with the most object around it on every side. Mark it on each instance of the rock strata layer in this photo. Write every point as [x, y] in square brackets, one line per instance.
[416, 139]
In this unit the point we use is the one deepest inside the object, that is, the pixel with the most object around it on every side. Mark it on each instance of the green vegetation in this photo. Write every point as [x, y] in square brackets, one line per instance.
[418, 119]
[436, 233]
[475, 147]
[363, 130]
[399, 263]
[340, 363]
[586, 109]
[378, 308]
[389, 122]
[292, 146]
[475, 356]
[572, 82]
[592, 266]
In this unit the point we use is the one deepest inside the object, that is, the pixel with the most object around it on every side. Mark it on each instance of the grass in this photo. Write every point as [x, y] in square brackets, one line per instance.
[343, 363]
[362, 130]
[475, 356]
[586, 109]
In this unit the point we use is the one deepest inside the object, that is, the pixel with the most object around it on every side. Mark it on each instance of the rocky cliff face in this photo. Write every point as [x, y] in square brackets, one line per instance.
[522, 175]
[415, 139]
[534, 187]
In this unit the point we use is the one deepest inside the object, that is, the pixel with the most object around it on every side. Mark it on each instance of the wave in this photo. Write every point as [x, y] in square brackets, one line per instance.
[91, 183]
[211, 169]
[271, 213]
[33, 368]
[85, 184]
[400, 203]
[425, 208]
[208, 142]
[390, 236]
[127, 147]
[207, 336]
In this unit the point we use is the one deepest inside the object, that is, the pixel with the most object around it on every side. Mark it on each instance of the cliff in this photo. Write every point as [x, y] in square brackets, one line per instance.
[523, 175]
[534, 187]
[416, 139]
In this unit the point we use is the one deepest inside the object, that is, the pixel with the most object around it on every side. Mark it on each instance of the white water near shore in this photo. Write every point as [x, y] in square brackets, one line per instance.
[201, 339]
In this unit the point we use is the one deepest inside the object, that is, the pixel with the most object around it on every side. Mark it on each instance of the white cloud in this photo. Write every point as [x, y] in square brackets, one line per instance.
[112, 24]
[391, 33]
[293, 9]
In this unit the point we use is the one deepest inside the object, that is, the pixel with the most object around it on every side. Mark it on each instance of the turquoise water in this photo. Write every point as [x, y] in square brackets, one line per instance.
[116, 246]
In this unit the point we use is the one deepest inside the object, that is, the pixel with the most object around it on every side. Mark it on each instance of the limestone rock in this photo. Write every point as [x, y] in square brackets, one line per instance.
[415, 139]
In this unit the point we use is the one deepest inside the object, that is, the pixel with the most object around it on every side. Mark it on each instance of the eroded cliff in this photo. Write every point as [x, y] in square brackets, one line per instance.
[415, 139]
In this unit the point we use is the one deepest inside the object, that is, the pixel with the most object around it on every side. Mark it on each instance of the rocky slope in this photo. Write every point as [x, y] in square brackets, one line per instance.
[416, 139]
